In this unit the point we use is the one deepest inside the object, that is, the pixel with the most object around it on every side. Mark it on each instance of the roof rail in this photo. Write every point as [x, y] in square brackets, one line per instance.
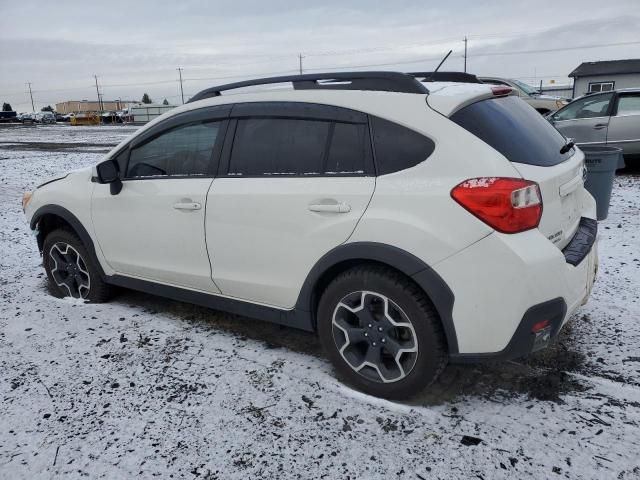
[378, 81]
[460, 77]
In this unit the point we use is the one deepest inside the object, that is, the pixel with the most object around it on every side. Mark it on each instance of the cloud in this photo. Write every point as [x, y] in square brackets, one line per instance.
[59, 46]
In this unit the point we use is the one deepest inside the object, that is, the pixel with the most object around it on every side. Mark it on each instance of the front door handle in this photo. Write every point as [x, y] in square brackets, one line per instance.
[599, 126]
[332, 207]
[187, 206]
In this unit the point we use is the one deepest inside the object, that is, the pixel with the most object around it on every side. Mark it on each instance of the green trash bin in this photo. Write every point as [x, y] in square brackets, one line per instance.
[601, 163]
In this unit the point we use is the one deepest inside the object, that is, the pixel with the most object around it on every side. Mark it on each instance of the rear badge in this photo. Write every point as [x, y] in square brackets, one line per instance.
[556, 237]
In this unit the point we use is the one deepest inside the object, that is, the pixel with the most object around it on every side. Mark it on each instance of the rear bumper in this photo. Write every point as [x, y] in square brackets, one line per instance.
[524, 340]
[505, 284]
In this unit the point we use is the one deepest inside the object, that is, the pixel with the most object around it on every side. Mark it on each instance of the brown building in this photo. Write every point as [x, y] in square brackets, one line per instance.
[79, 106]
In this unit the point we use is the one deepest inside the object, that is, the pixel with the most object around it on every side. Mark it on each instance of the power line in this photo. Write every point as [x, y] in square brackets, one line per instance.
[228, 77]
[481, 55]
[159, 82]
[346, 66]
[422, 60]
[560, 49]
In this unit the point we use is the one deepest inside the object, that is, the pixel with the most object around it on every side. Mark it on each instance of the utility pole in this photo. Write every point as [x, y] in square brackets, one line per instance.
[465, 54]
[98, 92]
[33, 109]
[181, 91]
[300, 62]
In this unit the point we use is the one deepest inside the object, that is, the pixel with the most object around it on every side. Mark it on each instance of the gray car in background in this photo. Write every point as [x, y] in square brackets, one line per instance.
[607, 118]
[542, 103]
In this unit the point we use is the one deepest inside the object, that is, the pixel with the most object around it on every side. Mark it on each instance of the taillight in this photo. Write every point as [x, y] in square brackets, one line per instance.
[509, 205]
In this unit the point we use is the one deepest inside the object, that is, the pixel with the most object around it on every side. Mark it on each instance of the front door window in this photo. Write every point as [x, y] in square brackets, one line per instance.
[181, 151]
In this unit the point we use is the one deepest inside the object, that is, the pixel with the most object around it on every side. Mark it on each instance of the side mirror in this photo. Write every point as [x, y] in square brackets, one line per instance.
[109, 172]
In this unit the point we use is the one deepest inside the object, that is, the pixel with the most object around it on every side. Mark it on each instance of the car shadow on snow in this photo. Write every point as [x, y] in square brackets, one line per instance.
[545, 375]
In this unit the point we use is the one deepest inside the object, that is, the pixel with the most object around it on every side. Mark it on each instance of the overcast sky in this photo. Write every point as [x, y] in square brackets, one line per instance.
[135, 46]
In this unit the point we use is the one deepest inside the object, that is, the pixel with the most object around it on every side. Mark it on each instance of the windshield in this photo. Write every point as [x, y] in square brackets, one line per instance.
[528, 89]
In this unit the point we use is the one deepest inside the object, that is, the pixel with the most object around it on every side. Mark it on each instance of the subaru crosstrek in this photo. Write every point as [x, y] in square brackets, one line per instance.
[408, 223]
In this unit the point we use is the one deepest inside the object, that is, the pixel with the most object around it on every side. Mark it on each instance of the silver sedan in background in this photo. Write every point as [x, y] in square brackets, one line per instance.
[607, 118]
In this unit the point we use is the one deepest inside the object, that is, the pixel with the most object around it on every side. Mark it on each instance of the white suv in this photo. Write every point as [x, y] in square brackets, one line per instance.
[408, 223]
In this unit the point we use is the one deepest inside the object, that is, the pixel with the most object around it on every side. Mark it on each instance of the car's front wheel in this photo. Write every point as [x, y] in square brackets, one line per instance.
[381, 332]
[70, 269]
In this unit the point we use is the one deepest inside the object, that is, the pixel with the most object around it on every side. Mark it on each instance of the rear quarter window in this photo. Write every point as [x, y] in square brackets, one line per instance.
[397, 147]
[514, 129]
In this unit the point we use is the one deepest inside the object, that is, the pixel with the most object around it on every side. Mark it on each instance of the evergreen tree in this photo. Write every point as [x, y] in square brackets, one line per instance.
[6, 107]
[165, 102]
[146, 98]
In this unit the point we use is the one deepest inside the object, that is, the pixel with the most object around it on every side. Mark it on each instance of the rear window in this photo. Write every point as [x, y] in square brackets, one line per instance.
[515, 130]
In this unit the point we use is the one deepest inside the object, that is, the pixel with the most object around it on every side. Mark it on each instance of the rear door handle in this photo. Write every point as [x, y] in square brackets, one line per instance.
[332, 207]
[598, 126]
[187, 206]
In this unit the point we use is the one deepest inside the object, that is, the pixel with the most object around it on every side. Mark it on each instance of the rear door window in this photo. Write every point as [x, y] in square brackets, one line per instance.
[629, 104]
[278, 146]
[349, 148]
[299, 147]
[514, 129]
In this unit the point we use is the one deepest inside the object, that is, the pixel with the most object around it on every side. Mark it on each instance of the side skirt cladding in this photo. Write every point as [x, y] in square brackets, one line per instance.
[290, 318]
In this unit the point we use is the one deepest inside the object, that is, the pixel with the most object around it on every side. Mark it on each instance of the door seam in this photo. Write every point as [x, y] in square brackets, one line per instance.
[206, 245]
[375, 180]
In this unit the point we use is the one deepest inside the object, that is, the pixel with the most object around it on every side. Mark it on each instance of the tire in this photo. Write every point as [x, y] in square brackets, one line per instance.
[356, 333]
[71, 270]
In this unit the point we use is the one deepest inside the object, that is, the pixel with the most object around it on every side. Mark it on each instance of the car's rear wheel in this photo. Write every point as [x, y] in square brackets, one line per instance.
[381, 332]
[70, 269]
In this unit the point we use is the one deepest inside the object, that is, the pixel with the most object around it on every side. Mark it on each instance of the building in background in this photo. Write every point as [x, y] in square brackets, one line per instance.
[602, 76]
[83, 106]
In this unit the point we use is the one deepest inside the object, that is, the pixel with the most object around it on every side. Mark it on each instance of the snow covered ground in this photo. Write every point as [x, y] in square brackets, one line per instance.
[145, 386]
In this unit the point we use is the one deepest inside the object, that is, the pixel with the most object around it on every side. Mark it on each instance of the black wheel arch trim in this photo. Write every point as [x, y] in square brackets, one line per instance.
[75, 224]
[428, 279]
